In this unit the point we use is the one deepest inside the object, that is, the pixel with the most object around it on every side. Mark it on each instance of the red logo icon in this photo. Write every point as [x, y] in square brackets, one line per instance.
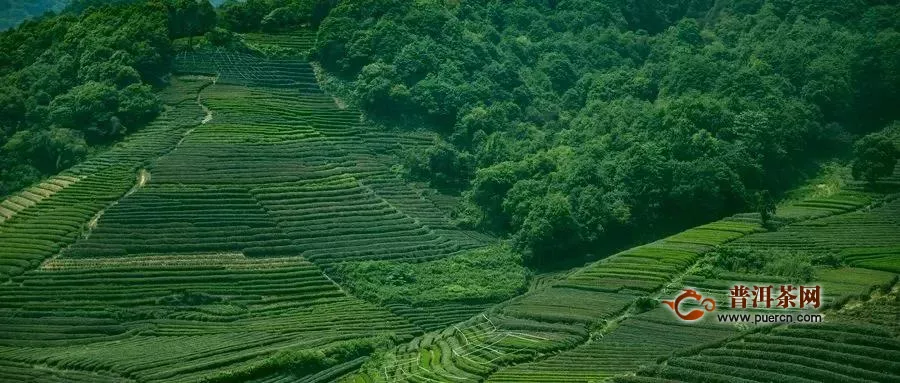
[708, 305]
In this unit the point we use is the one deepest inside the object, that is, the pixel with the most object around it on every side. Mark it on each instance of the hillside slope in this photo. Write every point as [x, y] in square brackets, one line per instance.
[198, 247]
[206, 247]
[594, 324]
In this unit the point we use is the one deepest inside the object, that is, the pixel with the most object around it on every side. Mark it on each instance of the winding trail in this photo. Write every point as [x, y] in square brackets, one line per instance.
[207, 117]
[143, 175]
[141, 179]
[208, 113]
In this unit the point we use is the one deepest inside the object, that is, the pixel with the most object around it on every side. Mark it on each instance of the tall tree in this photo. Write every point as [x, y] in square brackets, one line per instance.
[875, 156]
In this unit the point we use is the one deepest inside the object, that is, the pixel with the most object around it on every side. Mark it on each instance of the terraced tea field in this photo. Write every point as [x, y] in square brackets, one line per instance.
[858, 342]
[206, 311]
[558, 317]
[588, 326]
[203, 248]
[198, 248]
[42, 220]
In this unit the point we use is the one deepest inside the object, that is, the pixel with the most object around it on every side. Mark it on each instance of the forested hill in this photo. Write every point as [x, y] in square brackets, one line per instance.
[78, 81]
[579, 124]
[323, 190]
[570, 126]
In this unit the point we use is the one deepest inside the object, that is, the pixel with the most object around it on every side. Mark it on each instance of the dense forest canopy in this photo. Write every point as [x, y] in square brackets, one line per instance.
[273, 15]
[570, 126]
[576, 125]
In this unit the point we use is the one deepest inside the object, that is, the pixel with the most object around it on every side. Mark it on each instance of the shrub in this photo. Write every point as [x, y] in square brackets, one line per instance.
[484, 275]
[793, 265]
[644, 304]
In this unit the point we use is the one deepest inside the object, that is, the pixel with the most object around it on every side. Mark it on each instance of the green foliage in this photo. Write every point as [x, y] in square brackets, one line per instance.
[548, 228]
[272, 15]
[485, 275]
[674, 113]
[828, 259]
[765, 205]
[831, 179]
[79, 6]
[644, 304]
[220, 37]
[46, 150]
[73, 81]
[304, 361]
[875, 156]
[190, 17]
[441, 164]
[793, 265]
[101, 111]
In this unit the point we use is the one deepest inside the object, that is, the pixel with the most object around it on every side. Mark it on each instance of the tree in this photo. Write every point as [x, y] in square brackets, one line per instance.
[88, 107]
[440, 97]
[243, 16]
[549, 232]
[878, 79]
[419, 58]
[559, 70]
[442, 165]
[48, 150]
[765, 205]
[522, 199]
[137, 105]
[69, 81]
[331, 43]
[189, 18]
[488, 191]
[875, 156]
[12, 107]
[374, 89]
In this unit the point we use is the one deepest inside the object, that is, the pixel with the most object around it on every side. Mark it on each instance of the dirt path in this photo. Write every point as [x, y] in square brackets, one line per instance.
[141, 179]
[335, 283]
[207, 115]
[143, 175]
